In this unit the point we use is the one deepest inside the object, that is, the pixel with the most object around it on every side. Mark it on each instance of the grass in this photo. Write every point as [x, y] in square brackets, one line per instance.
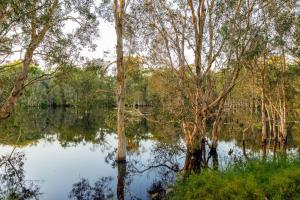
[255, 179]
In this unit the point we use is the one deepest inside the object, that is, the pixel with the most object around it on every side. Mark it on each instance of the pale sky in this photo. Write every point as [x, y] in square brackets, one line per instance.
[105, 43]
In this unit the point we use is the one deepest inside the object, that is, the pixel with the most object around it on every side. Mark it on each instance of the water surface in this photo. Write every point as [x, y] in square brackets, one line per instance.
[69, 154]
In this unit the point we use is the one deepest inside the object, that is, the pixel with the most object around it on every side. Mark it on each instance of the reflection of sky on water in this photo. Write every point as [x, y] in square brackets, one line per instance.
[57, 168]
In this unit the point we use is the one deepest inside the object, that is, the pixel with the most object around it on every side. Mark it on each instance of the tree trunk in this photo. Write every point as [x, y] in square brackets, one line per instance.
[268, 110]
[282, 116]
[194, 151]
[216, 126]
[215, 134]
[118, 12]
[198, 21]
[215, 159]
[274, 119]
[264, 123]
[263, 108]
[244, 142]
[9, 104]
[193, 161]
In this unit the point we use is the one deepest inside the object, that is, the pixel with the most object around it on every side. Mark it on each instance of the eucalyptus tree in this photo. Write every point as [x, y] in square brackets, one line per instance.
[119, 12]
[115, 11]
[218, 36]
[272, 62]
[283, 18]
[37, 31]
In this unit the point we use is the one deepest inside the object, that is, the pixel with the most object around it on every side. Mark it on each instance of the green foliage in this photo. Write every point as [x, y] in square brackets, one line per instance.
[277, 179]
[86, 87]
[136, 81]
[71, 86]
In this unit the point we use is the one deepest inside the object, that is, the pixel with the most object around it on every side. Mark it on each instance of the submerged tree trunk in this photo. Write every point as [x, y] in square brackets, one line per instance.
[215, 159]
[118, 13]
[194, 148]
[193, 160]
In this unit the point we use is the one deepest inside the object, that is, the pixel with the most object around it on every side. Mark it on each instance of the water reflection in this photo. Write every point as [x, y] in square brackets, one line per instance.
[163, 164]
[121, 180]
[12, 178]
[101, 189]
[80, 147]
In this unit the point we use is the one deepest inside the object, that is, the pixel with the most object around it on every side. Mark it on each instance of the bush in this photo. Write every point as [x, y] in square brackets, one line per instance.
[255, 179]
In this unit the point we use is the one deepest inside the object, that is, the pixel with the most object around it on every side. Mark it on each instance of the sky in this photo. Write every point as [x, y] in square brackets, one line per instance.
[105, 43]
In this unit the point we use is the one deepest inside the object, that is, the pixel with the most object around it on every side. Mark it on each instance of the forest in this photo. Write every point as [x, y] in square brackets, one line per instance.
[197, 99]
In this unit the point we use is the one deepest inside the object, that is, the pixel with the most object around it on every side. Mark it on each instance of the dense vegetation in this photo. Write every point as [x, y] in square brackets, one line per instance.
[256, 179]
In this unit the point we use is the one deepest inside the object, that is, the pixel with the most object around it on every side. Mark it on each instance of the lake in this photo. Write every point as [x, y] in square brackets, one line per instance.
[69, 154]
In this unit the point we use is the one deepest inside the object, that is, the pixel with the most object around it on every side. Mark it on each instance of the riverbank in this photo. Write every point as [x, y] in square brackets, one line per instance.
[256, 179]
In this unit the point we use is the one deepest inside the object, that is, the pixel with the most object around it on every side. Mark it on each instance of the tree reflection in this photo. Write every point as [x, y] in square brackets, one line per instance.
[13, 184]
[67, 126]
[164, 162]
[101, 189]
[121, 180]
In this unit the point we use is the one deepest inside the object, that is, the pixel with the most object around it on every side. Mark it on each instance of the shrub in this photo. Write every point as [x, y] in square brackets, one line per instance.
[277, 179]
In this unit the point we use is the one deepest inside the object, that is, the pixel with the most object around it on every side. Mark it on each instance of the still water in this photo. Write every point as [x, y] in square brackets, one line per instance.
[68, 154]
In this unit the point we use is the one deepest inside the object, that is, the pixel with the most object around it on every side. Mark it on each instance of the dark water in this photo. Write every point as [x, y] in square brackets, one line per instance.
[69, 154]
